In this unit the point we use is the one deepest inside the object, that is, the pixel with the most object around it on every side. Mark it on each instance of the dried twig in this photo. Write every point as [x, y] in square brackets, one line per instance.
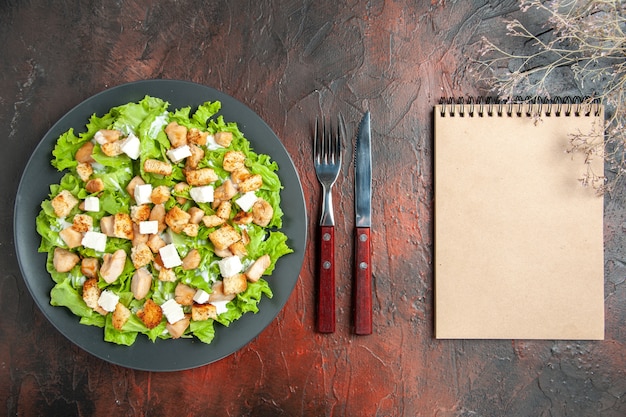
[587, 38]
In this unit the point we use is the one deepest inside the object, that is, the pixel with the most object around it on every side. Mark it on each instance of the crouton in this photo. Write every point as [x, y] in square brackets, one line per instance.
[195, 215]
[251, 183]
[84, 171]
[63, 203]
[91, 294]
[112, 148]
[176, 134]
[238, 249]
[130, 188]
[212, 220]
[155, 242]
[197, 137]
[155, 166]
[191, 260]
[83, 154]
[197, 153]
[63, 260]
[254, 272]
[167, 275]
[202, 176]
[201, 312]
[141, 282]
[94, 185]
[233, 160]
[113, 265]
[225, 192]
[120, 316]
[151, 314]
[223, 210]
[235, 284]
[160, 194]
[176, 218]
[123, 226]
[191, 229]
[225, 236]
[140, 213]
[141, 255]
[183, 294]
[262, 212]
[177, 329]
[89, 267]
[223, 138]
[82, 223]
[71, 237]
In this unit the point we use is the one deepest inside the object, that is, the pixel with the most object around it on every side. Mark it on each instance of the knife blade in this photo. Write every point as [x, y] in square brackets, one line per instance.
[363, 223]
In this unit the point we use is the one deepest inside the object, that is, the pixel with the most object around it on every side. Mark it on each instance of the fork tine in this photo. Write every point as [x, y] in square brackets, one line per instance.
[325, 140]
[338, 139]
[341, 132]
[316, 144]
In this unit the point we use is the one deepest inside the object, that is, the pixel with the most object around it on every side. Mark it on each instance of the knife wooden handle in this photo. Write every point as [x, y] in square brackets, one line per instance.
[362, 282]
[326, 296]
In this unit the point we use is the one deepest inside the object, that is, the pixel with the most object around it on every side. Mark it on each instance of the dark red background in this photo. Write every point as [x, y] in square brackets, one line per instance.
[291, 61]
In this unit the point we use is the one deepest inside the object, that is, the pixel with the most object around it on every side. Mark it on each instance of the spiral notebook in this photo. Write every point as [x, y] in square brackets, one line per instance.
[518, 239]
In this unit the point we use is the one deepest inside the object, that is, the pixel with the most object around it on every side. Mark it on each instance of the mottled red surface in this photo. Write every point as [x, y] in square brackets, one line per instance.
[290, 61]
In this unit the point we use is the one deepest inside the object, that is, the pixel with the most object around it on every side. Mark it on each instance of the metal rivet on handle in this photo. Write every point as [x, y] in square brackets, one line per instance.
[363, 237]
[326, 237]
[326, 265]
[363, 265]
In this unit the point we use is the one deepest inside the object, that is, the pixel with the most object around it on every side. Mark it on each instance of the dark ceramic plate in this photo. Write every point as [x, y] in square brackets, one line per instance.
[163, 355]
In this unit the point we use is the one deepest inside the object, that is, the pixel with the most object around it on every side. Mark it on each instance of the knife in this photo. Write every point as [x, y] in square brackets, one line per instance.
[363, 213]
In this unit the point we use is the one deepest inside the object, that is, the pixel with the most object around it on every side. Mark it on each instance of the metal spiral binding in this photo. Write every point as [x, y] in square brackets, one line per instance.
[481, 106]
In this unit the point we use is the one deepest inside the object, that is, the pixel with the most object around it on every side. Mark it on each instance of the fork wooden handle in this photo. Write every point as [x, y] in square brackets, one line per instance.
[362, 282]
[326, 296]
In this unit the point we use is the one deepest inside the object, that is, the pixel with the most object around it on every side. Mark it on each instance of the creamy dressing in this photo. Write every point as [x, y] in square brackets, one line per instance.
[157, 125]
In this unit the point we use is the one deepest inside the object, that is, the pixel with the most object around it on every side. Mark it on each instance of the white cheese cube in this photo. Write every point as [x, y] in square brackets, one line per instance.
[131, 145]
[143, 193]
[108, 300]
[173, 311]
[94, 240]
[230, 266]
[220, 306]
[246, 201]
[169, 256]
[92, 204]
[201, 296]
[178, 154]
[149, 227]
[202, 194]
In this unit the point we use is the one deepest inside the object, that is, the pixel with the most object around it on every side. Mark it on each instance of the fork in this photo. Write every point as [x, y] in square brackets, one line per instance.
[327, 163]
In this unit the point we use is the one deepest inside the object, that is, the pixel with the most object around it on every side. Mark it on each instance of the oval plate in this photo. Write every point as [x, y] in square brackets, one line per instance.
[162, 355]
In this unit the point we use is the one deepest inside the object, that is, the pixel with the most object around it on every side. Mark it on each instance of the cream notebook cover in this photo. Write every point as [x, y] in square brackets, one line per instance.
[518, 240]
